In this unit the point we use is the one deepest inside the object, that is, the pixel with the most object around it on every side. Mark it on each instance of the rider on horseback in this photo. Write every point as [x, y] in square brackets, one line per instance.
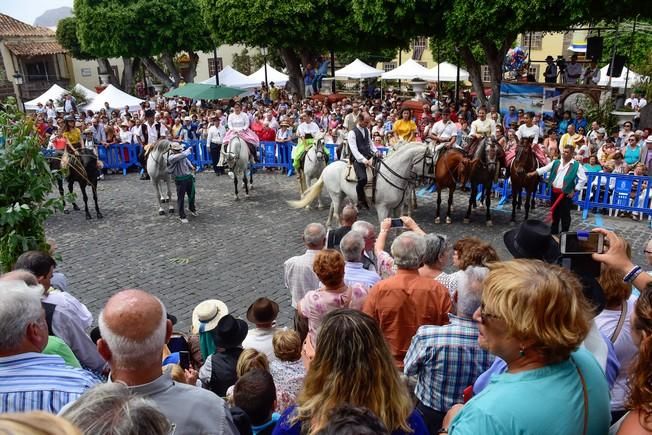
[531, 131]
[238, 125]
[481, 128]
[307, 132]
[443, 134]
[362, 153]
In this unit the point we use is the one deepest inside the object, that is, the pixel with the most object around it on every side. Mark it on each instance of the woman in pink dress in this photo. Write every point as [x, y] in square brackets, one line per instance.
[238, 125]
[510, 147]
[328, 265]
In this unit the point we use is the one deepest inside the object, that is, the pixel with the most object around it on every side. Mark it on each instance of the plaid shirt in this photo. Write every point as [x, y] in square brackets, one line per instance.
[447, 359]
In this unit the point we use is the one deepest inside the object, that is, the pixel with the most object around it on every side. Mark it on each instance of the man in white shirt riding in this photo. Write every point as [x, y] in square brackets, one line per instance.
[443, 133]
[362, 153]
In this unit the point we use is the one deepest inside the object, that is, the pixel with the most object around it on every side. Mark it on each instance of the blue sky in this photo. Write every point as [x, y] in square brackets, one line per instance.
[29, 10]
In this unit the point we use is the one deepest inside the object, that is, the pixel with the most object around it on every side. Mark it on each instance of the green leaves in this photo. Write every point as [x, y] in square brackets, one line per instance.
[25, 186]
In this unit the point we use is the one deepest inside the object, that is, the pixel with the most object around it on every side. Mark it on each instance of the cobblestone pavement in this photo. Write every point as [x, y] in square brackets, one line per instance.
[233, 251]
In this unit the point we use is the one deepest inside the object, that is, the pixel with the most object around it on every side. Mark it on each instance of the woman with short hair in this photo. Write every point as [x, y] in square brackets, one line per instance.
[352, 365]
[436, 257]
[534, 316]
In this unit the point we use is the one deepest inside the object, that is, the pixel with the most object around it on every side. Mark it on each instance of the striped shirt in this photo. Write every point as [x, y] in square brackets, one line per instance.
[299, 276]
[446, 359]
[354, 273]
[37, 382]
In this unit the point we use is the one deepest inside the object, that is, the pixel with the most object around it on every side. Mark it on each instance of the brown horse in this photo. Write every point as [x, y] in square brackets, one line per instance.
[451, 168]
[524, 162]
[483, 170]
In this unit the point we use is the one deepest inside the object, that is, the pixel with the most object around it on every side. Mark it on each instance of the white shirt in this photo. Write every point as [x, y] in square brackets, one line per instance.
[299, 276]
[353, 146]
[633, 102]
[215, 134]
[558, 182]
[238, 122]
[529, 132]
[261, 340]
[307, 128]
[485, 128]
[444, 131]
[153, 134]
[126, 136]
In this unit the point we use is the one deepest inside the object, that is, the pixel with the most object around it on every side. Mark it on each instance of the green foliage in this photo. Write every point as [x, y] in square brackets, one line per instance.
[79, 97]
[67, 37]
[635, 46]
[370, 57]
[25, 185]
[242, 62]
[601, 113]
[140, 28]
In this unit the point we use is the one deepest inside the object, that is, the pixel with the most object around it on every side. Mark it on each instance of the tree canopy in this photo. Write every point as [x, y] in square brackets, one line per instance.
[67, 37]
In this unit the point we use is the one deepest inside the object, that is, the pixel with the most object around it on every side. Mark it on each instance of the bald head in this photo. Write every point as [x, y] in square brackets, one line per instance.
[349, 215]
[134, 326]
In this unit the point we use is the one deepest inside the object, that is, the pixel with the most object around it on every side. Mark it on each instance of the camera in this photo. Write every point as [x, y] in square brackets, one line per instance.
[561, 63]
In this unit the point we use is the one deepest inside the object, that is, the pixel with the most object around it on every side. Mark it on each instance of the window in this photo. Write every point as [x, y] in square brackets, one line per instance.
[211, 66]
[419, 45]
[86, 72]
[388, 66]
[535, 37]
[534, 70]
[484, 69]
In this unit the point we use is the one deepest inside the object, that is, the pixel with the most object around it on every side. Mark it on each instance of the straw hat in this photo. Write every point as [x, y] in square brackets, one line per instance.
[207, 315]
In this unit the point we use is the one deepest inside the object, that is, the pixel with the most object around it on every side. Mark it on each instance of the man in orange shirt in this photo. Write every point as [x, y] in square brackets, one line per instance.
[402, 303]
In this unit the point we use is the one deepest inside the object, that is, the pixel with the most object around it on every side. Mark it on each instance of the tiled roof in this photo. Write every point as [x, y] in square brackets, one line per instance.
[34, 48]
[12, 27]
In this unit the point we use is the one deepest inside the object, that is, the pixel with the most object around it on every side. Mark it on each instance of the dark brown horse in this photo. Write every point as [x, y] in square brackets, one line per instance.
[524, 162]
[451, 168]
[483, 170]
[82, 168]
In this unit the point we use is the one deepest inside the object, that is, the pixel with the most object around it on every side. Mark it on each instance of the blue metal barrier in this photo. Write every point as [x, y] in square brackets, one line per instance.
[617, 192]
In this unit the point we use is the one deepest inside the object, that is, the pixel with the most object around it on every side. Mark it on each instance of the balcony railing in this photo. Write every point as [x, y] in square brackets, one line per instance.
[34, 86]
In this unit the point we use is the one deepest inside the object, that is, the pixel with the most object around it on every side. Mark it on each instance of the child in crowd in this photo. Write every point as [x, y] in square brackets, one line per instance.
[180, 168]
[255, 394]
[287, 369]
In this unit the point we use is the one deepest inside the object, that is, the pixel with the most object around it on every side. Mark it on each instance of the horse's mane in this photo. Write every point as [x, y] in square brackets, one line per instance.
[161, 146]
[404, 148]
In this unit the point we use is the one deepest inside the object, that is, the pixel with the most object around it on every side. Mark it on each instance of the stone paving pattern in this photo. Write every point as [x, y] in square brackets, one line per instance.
[234, 249]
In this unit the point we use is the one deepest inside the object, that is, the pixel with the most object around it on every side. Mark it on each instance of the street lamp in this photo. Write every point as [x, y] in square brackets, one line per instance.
[264, 52]
[18, 81]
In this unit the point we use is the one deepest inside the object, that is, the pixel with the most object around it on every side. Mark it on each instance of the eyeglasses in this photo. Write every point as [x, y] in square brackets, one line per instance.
[645, 251]
[484, 315]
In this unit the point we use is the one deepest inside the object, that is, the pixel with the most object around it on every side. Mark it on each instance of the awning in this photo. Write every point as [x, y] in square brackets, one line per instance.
[34, 48]
[578, 47]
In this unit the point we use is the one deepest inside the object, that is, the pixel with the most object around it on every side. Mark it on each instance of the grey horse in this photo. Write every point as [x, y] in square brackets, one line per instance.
[157, 170]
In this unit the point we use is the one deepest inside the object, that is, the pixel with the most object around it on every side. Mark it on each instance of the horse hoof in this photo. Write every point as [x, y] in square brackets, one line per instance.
[100, 215]
[490, 224]
[237, 198]
[448, 220]
[466, 220]
[437, 220]
[171, 211]
[89, 217]
[161, 213]
[308, 207]
[75, 207]
[66, 211]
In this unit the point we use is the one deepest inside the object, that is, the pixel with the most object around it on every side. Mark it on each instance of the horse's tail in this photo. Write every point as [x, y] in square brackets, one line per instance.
[310, 195]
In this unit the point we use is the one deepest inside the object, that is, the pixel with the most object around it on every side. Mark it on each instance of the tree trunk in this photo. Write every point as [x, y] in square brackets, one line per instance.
[495, 54]
[155, 70]
[475, 73]
[131, 64]
[105, 68]
[168, 62]
[293, 64]
[192, 70]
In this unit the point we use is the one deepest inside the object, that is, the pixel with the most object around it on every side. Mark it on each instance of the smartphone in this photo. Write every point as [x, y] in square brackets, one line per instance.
[581, 242]
[184, 359]
[397, 223]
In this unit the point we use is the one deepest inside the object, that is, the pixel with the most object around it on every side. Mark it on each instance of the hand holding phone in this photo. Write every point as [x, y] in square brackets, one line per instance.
[397, 223]
[581, 242]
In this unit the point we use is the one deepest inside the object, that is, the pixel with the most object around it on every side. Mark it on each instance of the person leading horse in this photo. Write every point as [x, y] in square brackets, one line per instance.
[362, 153]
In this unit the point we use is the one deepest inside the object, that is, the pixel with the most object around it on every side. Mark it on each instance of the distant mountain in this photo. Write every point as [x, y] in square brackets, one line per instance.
[51, 17]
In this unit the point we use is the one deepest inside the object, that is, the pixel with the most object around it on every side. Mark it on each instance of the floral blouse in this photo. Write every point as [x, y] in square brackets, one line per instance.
[288, 378]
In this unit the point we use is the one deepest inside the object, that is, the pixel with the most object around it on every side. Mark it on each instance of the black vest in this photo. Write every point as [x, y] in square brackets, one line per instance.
[223, 373]
[362, 141]
[49, 313]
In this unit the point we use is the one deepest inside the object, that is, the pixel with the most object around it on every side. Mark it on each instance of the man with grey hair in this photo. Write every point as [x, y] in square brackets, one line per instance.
[368, 231]
[30, 380]
[402, 303]
[447, 359]
[352, 247]
[298, 274]
[111, 409]
[134, 329]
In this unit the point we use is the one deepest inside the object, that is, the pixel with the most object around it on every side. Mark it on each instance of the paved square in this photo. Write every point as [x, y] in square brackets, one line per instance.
[233, 251]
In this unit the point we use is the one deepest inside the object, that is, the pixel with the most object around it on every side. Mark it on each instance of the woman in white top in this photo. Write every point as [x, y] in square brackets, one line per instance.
[482, 127]
[306, 132]
[531, 131]
[238, 125]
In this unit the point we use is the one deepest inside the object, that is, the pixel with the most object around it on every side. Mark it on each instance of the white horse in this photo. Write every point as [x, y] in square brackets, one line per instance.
[396, 174]
[157, 164]
[238, 159]
[314, 162]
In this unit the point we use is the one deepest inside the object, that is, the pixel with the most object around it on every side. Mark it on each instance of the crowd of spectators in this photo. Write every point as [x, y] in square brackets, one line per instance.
[383, 341]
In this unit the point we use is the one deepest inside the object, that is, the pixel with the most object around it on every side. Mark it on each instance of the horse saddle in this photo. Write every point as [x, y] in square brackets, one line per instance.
[350, 177]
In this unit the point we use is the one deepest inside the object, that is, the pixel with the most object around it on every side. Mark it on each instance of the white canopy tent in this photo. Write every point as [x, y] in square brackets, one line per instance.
[273, 75]
[410, 70]
[233, 78]
[116, 98]
[84, 90]
[618, 82]
[54, 93]
[448, 72]
[358, 70]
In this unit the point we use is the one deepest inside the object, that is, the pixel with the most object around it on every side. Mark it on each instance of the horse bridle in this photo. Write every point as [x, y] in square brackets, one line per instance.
[409, 180]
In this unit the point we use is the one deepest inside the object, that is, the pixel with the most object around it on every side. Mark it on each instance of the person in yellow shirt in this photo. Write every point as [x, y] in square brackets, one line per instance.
[405, 128]
[72, 133]
[569, 138]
